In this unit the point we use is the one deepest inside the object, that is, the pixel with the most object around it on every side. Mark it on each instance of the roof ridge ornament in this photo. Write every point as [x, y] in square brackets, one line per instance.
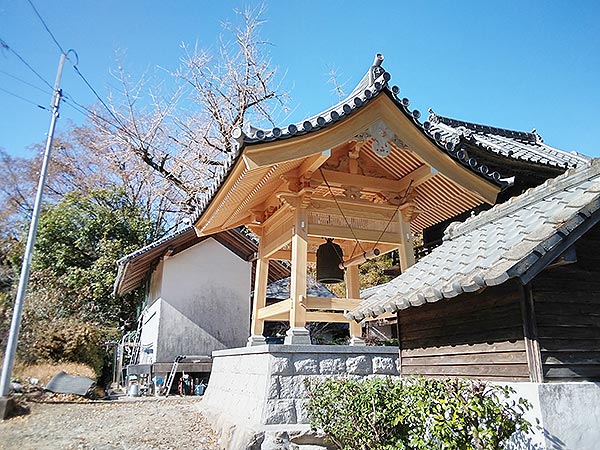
[376, 69]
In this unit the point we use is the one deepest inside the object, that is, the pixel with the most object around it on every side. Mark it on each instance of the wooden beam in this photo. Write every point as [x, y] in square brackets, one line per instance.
[330, 317]
[283, 317]
[429, 152]
[353, 291]
[260, 295]
[399, 333]
[312, 163]
[268, 312]
[286, 255]
[315, 230]
[353, 208]
[330, 303]
[532, 345]
[373, 184]
[277, 233]
[298, 274]
[406, 250]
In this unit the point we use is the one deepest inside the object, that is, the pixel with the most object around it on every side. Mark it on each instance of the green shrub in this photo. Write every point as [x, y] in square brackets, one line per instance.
[415, 413]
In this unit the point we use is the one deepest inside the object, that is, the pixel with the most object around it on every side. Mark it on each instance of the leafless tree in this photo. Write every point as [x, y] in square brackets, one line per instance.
[174, 144]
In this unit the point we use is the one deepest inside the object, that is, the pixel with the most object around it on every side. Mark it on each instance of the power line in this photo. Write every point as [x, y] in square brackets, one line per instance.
[5, 46]
[46, 26]
[98, 96]
[24, 99]
[25, 82]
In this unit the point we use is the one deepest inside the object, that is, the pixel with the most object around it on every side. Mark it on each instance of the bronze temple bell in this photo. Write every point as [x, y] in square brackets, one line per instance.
[329, 257]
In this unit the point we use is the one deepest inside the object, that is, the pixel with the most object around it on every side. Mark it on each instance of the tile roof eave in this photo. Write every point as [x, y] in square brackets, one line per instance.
[476, 135]
[537, 250]
[368, 88]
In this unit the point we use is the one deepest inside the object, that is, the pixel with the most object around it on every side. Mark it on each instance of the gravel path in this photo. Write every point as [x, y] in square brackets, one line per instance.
[141, 423]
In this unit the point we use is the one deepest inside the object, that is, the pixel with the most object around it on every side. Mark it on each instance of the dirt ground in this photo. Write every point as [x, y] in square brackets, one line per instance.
[128, 423]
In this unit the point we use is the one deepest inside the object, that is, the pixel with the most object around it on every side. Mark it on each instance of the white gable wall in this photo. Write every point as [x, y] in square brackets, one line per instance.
[205, 306]
[149, 333]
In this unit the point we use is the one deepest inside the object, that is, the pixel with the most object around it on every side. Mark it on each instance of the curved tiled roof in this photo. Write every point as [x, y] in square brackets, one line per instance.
[373, 84]
[514, 239]
[519, 145]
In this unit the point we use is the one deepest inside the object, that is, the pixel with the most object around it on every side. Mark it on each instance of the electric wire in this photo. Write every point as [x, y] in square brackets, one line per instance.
[24, 99]
[400, 203]
[340, 209]
[25, 82]
[88, 84]
[45, 26]
[5, 46]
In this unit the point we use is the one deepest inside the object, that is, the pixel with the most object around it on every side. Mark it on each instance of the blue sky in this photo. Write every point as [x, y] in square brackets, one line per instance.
[511, 64]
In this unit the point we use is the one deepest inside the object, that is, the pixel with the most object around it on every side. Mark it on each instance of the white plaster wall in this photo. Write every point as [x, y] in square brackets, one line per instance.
[205, 297]
[571, 415]
[566, 416]
[149, 333]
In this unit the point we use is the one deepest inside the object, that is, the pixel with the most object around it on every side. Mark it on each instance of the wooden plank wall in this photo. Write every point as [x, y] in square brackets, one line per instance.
[567, 310]
[473, 335]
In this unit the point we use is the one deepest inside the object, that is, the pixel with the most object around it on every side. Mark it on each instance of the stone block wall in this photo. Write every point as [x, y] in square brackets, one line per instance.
[257, 395]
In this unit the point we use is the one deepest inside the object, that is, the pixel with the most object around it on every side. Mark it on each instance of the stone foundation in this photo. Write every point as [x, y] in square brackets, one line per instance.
[256, 396]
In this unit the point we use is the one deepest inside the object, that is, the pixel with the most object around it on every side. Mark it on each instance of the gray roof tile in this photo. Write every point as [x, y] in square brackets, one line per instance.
[519, 145]
[504, 242]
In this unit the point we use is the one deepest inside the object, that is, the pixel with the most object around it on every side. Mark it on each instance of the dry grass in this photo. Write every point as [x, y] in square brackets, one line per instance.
[45, 371]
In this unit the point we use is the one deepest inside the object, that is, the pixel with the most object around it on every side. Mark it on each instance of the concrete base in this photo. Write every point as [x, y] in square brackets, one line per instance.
[257, 395]
[297, 336]
[356, 342]
[255, 340]
[7, 406]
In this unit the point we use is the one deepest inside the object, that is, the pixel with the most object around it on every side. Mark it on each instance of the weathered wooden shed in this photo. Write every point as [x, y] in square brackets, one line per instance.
[512, 293]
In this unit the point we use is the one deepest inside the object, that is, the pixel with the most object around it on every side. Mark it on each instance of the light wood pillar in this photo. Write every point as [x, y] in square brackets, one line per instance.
[298, 334]
[261, 278]
[353, 291]
[406, 250]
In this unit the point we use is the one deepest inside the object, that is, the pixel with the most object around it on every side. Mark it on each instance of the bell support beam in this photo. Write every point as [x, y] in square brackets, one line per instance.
[353, 291]
[298, 334]
[275, 310]
[286, 255]
[373, 184]
[341, 232]
[260, 299]
[332, 317]
[353, 208]
[330, 303]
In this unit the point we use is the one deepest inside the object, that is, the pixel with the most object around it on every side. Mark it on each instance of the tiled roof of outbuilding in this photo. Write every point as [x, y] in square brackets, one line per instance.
[514, 239]
[519, 145]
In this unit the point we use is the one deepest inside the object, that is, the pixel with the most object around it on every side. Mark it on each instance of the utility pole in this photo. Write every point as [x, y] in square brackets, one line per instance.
[15, 324]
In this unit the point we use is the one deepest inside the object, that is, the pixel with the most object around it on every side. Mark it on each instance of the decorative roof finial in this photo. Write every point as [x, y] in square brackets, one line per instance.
[433, 118]
[376, 69]
[538, 138]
